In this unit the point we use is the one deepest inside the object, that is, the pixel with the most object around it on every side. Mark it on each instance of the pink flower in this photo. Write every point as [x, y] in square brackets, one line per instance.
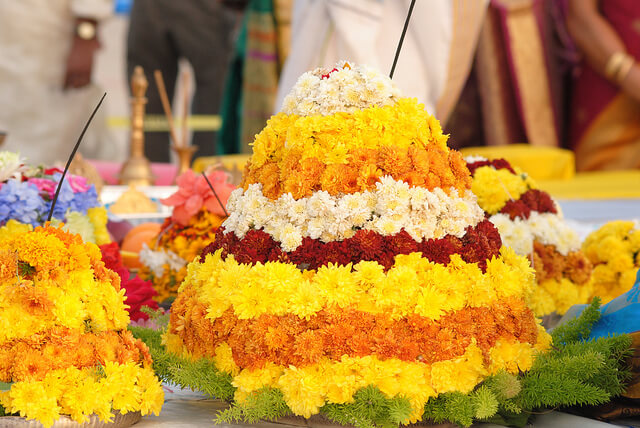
[78, 183]
[44, 185]
[194, 193]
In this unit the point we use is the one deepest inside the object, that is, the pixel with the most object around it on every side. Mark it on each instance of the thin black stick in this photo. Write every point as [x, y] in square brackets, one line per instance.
[73, 153]
[404, 31]
[215, 194]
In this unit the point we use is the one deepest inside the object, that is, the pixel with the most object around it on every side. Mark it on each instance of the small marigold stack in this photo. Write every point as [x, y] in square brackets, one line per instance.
[531, 223]
[64, 346]
[355, 255]
[197, 214]
[614, 250]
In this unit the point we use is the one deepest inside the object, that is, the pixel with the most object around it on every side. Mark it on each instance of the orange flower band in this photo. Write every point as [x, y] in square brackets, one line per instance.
[32, 358]
[429, 167]
[334, 332]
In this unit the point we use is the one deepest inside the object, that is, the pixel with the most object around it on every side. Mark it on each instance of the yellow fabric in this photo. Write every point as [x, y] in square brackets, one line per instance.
[596, 185]
[541, 163]
[229, 162]
[552, 168]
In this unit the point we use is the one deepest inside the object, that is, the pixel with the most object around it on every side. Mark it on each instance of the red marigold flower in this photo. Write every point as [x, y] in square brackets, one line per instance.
[368, 243]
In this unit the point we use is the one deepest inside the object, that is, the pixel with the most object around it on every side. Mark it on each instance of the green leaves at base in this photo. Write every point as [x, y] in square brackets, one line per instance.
[263, 404]
[370, 408]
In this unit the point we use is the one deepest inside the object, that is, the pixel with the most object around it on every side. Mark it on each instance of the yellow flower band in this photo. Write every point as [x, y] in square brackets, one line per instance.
[308, 388]
[80, 393]
[335, 332]
[414, 285]
[349, 152]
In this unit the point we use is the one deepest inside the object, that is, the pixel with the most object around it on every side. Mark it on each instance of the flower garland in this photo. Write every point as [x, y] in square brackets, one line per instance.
[614, 250]
[64, 348]
[345, 88]
[347, 153]
[478, 245]
[165, 262]
[391, 206]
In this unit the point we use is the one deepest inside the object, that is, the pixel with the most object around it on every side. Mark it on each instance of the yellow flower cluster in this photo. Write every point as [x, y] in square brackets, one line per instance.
[307, 389]
[58, 282]
[51, 282]
[614, 250]
[81, 393]
[553, 295]
[412, 285]
[331, 138]
[494, 187]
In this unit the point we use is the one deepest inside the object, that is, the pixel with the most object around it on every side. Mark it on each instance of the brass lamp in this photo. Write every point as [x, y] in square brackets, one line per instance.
[136, 171]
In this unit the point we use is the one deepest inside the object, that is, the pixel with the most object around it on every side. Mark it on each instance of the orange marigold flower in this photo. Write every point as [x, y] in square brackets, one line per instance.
[361, 157]
[369, 176]
[393, 160]
[332, 179]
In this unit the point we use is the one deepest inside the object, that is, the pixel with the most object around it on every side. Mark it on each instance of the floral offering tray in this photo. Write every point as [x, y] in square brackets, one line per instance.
[119, 421]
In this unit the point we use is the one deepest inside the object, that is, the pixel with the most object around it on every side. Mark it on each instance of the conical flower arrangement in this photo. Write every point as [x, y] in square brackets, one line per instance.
[355, 259]
[530, 222]
[64, 346]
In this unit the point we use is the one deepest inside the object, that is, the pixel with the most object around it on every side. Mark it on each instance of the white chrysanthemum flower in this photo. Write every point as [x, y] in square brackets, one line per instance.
[472, 159]
[11, 165]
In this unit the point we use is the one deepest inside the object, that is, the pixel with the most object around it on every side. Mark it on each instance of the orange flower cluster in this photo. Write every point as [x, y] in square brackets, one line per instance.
[60, 348]
[334, 332]
[550, 264]
[428, 167]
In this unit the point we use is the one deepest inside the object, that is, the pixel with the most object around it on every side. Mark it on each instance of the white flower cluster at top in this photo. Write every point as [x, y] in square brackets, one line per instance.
[546, 228]
[387, 209]
[345, 88]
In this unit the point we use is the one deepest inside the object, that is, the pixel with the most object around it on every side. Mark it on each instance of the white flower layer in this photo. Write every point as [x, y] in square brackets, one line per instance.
[347, 89]
[546, 228]
[393, 205]
[158, 261]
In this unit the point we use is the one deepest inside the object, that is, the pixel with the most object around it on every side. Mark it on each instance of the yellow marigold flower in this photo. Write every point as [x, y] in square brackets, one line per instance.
[494, 187]
[224, 359]
[32, 401]
[302, 390]
[461, 374]
[252, 380]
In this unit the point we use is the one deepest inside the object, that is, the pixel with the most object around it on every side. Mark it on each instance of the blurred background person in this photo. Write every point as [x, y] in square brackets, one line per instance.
[161, 32]
[46, 92]
[605, 110]
[251, 83]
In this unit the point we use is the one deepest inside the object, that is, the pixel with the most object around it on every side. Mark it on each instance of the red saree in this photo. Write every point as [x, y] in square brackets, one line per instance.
[605, 123]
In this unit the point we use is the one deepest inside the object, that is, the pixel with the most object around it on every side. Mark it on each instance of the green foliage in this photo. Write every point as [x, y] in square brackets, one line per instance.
[200, 375]
[485, 402]
[504, 385]
[370, 408]
[453, 407]
[579, 328]
[263, 404]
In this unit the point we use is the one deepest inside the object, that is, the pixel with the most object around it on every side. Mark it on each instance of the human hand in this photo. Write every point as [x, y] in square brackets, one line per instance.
[80, 62]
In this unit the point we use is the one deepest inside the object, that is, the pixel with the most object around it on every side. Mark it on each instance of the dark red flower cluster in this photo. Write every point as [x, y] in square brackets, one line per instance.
[531, 200]
[478, 245]
[138, 293]
[496, 163]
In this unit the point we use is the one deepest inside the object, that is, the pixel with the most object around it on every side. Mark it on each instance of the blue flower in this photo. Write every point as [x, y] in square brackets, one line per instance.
[21, 201]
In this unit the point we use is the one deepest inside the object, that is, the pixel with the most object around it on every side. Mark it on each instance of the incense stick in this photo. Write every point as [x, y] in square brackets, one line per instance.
[166, 106]
[185, 107]
[404, 31]
[73, 153]
[215, 194]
